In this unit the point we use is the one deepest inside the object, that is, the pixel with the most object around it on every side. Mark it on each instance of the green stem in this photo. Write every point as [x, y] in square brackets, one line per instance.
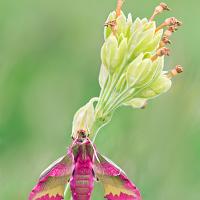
[103, 91]
[125, 99]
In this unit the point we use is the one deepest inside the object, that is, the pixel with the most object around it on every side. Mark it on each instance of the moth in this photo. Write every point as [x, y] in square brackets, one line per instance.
[81, 167]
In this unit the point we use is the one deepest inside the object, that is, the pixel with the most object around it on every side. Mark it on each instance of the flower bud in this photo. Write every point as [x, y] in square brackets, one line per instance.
[137, 103]
[161, 85]
[134, 70]
[113, 56]
[121, 24]
[103, 75]
[84, 118]
[108, 51]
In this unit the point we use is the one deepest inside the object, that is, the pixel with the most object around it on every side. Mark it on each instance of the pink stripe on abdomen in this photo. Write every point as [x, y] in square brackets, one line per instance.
[82, 183]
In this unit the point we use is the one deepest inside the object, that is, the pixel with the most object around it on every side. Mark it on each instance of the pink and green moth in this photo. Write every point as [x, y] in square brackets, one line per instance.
[80, 167]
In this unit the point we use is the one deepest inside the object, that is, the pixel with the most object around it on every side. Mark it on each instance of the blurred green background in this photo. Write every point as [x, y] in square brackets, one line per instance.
[49, 64]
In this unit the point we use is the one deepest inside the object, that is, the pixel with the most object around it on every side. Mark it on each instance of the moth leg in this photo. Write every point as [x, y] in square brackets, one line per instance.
[95, 177]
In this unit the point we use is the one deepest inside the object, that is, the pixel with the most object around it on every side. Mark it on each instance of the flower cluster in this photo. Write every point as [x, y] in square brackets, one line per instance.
[132, 69]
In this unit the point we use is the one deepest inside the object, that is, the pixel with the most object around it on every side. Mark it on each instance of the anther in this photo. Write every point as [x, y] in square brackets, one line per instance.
[169, 22]
[165, 6]
[172, 21]
[177, 70]
[159, 9]
[165, 40]
[161, 52]
[170, 31]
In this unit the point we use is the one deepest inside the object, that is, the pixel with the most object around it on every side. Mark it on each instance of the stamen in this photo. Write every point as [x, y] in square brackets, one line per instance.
[119, 6]
[161, 52]
[159, 9]
[165, 40]
[177, 70]
[169, 22]
[170, 31]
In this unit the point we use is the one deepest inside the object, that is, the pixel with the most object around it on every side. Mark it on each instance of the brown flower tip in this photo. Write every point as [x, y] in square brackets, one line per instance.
[177, 70]
[161, 52]
[172, 21]
[165, 40]
[164, 6]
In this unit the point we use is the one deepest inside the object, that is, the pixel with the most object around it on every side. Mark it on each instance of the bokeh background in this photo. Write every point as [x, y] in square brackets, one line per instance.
[49, 64]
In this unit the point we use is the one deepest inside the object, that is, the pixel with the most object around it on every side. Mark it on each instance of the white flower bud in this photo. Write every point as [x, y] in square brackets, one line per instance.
[161, 85]
[84, 117]
[137, 103]
[103, 75]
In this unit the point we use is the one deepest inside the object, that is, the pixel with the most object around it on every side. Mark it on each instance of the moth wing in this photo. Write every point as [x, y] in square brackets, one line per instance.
[116, 184]
[53, 180]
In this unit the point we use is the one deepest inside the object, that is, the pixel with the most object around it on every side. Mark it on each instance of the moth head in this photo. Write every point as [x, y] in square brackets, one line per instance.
[81, 136]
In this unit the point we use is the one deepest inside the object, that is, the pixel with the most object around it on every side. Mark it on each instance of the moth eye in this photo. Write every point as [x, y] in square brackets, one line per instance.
[73, 138]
